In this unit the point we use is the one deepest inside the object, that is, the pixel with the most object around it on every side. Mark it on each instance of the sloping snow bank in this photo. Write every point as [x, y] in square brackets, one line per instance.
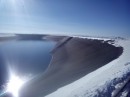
[104, 81]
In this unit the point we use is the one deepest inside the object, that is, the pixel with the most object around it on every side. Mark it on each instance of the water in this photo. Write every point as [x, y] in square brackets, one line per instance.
[24, 58]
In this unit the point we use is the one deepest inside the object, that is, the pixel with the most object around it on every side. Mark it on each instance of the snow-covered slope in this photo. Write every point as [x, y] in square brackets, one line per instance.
[106, 81]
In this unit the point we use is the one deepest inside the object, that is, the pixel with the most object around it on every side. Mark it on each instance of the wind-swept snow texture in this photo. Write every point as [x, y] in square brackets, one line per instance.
[81, 67]
[111, 80]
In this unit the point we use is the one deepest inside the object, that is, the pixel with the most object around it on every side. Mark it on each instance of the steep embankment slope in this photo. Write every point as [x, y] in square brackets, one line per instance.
[111, 80]
[73, 58]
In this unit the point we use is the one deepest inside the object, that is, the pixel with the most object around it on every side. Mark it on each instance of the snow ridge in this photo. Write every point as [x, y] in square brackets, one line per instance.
[103, 82]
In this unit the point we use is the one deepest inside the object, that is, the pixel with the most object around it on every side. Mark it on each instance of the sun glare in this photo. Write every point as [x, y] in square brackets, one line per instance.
[13, 1]
[14, 85]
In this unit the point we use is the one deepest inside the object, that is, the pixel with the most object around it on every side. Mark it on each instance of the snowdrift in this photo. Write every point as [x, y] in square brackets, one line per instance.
[81, 67]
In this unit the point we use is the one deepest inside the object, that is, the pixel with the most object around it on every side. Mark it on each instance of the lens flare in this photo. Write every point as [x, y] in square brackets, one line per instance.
[14, 84]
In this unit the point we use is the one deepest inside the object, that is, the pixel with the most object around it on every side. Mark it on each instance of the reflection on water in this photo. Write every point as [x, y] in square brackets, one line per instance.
[25, 57]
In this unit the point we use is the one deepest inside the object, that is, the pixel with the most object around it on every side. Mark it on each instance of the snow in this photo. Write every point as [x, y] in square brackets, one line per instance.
[106, 80]
[124, 94]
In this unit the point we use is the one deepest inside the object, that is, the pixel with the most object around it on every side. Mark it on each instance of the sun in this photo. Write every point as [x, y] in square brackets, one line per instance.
[14, 84]
[13, 1]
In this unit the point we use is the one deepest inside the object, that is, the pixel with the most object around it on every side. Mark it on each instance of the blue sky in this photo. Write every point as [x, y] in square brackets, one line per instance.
[75, 17]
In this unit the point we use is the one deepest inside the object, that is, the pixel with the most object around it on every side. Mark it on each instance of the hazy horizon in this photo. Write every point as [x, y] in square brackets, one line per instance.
[67, 17]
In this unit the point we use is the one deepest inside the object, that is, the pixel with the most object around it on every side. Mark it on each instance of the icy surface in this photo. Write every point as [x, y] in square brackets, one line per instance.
[103, 82]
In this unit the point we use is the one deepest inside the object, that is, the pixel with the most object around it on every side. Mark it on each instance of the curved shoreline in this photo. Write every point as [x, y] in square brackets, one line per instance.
[71, 61]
